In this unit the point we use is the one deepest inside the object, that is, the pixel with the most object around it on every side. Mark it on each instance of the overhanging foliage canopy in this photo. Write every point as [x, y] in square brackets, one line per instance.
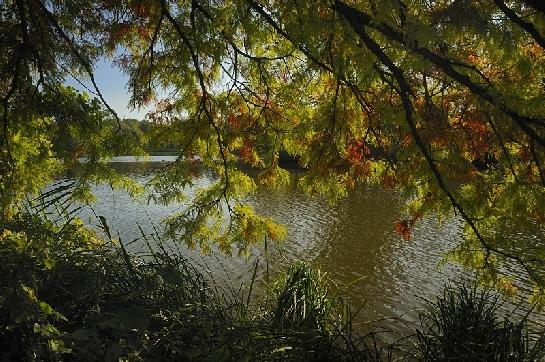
[442, 100]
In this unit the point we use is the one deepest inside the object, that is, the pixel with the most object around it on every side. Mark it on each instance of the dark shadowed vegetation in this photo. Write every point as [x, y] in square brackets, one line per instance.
[465, 324]
[66, 294]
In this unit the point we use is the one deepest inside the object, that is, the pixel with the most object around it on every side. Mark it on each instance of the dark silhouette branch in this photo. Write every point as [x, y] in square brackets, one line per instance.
[358, 19]
[503, 148]
[404, 92]
[81, 59]
[151, 52]
[526, 26]
[538, 5]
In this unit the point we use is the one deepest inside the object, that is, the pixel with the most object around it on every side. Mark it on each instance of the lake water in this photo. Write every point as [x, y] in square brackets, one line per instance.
[353, 241]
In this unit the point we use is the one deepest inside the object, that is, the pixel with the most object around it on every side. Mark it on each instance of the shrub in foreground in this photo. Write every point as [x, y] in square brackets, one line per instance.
[66, 294]
[464, 324]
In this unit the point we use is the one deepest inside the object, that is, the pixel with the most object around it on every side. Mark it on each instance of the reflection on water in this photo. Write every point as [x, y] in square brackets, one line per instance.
[353, 241]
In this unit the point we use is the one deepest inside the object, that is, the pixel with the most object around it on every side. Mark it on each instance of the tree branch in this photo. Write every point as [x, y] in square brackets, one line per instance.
[359, 19]
[526, 26]
[404, 93]
[84, 62]
[538, 5]
[205, 96]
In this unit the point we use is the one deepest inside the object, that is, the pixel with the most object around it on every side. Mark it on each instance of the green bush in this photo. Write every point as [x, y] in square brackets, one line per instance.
[315, 320]
[463, 324]
[66, 294]
[301, 299]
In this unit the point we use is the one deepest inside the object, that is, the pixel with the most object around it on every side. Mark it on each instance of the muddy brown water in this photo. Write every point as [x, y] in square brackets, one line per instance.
[353, 241]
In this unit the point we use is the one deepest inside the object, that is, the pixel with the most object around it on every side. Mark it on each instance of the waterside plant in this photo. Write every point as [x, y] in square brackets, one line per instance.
[66, 294]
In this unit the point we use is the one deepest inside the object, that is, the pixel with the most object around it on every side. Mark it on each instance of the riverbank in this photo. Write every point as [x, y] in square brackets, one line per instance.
[353, 241]
[68, 294]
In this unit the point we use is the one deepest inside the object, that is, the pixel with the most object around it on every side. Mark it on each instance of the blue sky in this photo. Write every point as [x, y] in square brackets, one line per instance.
[113, 85]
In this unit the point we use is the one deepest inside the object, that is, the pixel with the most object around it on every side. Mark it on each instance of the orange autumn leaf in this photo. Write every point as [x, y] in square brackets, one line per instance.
[247, 153]
[402, 228]
[475, 125]
[356, 153]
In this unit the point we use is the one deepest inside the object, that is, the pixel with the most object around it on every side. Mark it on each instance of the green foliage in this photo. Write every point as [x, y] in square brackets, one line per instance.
[65, 295]
[464, 324]
[302, 300]
[35, 257]
[315, 322]
[441, 101]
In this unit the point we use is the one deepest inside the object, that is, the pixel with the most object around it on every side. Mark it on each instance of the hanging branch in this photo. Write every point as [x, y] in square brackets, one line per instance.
[205, 101]
[20, 50]
[360, 19]
[151, 52]
[404, 92]
[526, 26]
[257, 7]
[83, 62]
